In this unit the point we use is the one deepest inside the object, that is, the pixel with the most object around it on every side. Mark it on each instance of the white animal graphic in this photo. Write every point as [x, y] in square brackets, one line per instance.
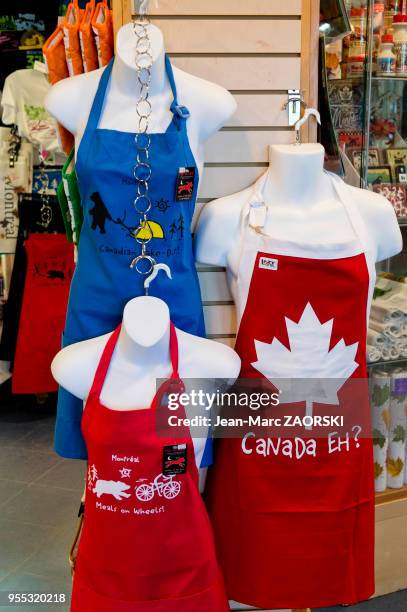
[111, 487]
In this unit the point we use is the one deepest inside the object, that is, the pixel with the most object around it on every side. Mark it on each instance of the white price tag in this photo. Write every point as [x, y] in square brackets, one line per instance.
[267, 263]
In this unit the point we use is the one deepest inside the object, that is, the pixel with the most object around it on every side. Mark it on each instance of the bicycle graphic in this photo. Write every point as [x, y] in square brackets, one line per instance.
[165, 486]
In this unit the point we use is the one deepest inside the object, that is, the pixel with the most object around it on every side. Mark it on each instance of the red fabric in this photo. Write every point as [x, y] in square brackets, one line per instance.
[154, 555]
[50, 266]
[297, 533]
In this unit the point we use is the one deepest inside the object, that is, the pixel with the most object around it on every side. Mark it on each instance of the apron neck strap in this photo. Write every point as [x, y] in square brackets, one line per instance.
[174, 354]
[99, 98]
[173, 384]
[104, 363]
[181, 113]
[343, 192]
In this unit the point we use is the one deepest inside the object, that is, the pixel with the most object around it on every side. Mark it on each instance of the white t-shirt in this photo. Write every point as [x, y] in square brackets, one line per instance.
[23, 104]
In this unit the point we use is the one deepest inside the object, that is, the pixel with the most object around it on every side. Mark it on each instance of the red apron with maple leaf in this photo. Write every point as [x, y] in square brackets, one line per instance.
[147, 543]
[298, 532]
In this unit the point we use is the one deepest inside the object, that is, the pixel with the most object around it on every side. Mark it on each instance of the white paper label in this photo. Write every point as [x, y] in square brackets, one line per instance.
[267, 263]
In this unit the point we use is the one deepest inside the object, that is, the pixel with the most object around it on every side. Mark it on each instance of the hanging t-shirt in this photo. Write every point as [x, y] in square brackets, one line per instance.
[23, 104]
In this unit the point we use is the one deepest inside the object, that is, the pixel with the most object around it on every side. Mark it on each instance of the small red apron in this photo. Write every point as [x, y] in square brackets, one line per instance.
[147, 543]
[298, 533]
[50, 267]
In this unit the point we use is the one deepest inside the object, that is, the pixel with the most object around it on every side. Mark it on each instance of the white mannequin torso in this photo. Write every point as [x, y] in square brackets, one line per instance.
[210, 105]
[141, 358]
[294, 211]
[302, 206]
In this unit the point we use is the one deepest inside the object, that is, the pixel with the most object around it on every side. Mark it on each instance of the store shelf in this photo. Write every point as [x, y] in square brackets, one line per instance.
[389, 78]
[390, 495]
[346, 80]
[372, 364]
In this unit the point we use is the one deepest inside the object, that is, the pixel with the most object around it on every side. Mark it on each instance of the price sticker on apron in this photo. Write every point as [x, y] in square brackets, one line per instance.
[174, 459]
[185, 183]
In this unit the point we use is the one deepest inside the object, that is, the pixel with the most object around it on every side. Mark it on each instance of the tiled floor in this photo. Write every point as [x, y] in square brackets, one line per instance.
[396, 602]
[39, 498]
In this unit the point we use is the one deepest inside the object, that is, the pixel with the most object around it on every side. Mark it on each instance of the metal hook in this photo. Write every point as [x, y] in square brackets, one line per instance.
[142, 9]
[143, 257]
[151, 277]
[293, 104]
[309, 112]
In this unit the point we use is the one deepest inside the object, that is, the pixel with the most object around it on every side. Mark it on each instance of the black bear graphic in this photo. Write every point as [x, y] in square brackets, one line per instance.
[99, 213]
[51, 273]
[56, 274]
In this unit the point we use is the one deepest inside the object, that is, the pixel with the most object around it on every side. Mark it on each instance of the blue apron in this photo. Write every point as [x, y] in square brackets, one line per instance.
[103, 281]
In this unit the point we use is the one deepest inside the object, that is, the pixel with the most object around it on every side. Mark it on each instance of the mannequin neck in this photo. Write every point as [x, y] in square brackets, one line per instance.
[124, 67]
[145, 333]
[296, 176]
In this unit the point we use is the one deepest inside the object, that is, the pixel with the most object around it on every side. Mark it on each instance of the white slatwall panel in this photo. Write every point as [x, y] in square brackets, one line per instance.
[244, 146]
[214, 286]
[220, 319]
[226, 7]
[245, 73]
[240, 36]
[235, 58]
[220, 181]
[254, 50]
[259, 109]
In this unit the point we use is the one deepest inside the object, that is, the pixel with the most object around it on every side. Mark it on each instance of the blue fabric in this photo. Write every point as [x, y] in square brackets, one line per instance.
[103, 281]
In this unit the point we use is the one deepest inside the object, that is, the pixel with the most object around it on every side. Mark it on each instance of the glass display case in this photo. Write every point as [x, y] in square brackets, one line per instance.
[363, 101]
[366, 72]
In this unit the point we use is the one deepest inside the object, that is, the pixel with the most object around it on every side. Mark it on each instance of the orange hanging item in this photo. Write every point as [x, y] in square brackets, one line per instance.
[102, 24]
[87, 39]
[54, 54]
[70, 26]
[55, 58]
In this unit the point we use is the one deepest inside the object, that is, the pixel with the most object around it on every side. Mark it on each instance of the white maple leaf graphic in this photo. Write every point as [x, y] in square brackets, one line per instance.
[292, 370]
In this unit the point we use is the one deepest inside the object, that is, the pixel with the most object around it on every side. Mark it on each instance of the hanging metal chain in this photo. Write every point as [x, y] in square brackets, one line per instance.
[142, 171]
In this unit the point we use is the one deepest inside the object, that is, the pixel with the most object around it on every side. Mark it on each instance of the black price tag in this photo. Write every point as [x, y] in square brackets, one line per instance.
[185, 183]
[174, 459]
